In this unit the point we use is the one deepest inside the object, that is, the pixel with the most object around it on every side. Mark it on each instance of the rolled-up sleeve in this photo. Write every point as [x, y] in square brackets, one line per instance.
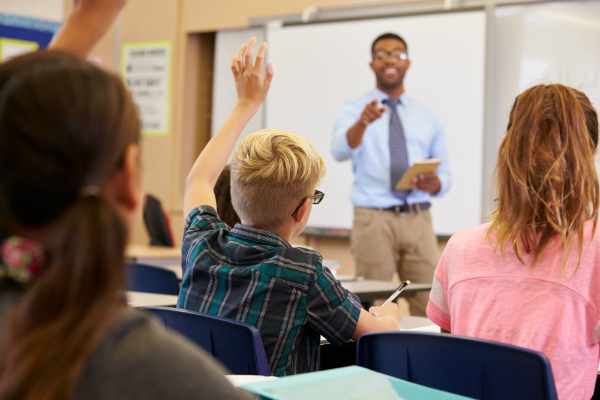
[346, 118]
[333, 311]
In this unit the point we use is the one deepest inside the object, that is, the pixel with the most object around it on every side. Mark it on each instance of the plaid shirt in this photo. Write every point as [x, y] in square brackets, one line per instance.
[255, 276]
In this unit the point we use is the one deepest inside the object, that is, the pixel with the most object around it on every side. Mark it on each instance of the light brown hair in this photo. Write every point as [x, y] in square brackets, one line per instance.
[271, 171]
[547, 187]
[64, 125]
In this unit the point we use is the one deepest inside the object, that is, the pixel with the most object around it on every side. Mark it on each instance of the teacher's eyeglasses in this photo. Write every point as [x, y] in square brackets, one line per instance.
[397, 55]
[317, 198]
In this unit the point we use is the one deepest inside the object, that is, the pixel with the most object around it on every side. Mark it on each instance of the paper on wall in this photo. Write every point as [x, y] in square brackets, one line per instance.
[146, 70]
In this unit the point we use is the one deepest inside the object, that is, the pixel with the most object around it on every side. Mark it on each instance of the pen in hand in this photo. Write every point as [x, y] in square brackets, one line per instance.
[396, 293]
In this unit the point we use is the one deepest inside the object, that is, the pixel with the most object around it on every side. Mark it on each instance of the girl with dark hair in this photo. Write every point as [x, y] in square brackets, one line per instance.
[223, 195]
[531, 277]
[69, 193]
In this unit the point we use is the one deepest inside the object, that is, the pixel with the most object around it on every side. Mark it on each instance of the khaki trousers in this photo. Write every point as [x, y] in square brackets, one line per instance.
[383, 242]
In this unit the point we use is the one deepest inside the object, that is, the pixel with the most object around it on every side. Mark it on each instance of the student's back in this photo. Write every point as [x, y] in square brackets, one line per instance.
[531, 277]
[254, 276]
[487, 296]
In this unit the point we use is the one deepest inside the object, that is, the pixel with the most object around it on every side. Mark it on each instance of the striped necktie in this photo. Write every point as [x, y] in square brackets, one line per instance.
[398, 152]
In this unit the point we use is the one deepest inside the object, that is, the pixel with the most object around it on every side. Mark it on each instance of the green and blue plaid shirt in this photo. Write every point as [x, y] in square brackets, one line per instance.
[255, 276]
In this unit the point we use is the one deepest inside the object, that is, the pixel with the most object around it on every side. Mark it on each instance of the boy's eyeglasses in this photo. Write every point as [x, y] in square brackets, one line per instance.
[317, 197]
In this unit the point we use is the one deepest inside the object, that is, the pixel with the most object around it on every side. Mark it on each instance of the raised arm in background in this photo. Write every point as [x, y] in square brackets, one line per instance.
[85, 24]
[252, 89]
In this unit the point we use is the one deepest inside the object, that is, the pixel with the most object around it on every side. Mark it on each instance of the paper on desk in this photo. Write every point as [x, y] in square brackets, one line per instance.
[427, 328]
[348, 383]
[239, 380]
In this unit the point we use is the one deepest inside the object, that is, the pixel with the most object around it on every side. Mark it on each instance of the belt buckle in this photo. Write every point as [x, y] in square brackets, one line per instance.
[400, 213]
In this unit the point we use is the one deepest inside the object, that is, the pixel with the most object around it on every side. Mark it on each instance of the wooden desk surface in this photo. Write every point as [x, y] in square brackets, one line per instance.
[141, 300]
[369, 290]
[136, 251]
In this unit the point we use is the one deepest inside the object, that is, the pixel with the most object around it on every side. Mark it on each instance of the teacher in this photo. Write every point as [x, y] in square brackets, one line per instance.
[385, 132]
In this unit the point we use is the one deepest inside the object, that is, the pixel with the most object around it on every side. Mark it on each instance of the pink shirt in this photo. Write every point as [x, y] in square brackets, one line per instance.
[478, 293]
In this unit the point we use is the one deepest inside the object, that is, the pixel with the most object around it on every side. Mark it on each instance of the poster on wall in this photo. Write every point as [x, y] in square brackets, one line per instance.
[10, 48]
[21, 35]
[146, 70]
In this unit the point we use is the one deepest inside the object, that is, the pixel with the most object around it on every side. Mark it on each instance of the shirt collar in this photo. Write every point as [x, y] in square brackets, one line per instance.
[258, 235]
[380, 95]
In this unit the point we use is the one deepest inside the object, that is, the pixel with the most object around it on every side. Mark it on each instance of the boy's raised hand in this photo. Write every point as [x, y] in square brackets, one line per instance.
[252, 89]
[250, 85]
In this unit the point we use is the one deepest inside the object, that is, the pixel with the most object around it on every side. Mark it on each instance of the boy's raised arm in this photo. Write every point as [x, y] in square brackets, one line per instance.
[252, 90]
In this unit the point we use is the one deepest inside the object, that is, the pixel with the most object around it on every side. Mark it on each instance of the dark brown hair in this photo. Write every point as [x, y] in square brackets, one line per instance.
[64, 125]
[546, 175]
[223, 195]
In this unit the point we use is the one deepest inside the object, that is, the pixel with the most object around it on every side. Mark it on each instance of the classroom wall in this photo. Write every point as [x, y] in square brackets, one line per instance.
[207, 15]
[190, 25]
[51, 10]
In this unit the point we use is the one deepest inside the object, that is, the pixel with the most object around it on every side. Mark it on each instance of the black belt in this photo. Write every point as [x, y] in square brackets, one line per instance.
[408, 208]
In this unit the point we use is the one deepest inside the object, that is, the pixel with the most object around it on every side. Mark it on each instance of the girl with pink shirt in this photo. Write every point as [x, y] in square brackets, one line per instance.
[531, 277]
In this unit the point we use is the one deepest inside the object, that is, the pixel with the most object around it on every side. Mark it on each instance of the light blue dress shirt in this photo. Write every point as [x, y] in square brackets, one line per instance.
[371, 159]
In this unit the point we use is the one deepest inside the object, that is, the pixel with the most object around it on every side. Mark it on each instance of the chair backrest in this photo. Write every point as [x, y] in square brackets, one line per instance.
[235, 344]
[157, 223]
[470, 367]
[150, 279]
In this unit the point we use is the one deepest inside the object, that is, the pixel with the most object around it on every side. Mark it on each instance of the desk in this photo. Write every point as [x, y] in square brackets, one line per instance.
[141, 300]
[368, 290]
[154, 255]
[412, 323]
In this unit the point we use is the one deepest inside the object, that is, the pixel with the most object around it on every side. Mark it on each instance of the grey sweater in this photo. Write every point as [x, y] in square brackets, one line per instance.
[138, 359]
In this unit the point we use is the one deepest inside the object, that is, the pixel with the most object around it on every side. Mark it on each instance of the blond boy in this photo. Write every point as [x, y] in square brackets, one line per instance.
[251, 273]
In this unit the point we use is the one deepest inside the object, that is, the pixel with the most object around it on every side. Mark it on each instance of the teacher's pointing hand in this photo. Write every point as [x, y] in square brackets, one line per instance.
[372, 112]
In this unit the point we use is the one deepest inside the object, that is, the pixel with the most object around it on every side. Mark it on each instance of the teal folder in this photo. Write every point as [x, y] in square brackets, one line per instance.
[349, 383]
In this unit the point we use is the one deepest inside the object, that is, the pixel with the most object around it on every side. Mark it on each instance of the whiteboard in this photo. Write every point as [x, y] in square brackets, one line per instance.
[318, 67]
[545, 43]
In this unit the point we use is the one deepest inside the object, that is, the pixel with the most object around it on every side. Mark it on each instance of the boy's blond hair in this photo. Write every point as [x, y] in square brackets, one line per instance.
[271, 171]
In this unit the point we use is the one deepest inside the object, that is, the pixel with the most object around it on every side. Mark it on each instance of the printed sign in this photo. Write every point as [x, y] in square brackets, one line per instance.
[146, 69]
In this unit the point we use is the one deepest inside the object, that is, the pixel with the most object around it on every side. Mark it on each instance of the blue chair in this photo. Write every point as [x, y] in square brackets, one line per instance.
[470, 367]
[235, 344]
[150, 279]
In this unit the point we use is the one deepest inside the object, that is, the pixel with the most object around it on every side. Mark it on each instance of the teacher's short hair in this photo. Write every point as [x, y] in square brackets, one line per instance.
[388, 35]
